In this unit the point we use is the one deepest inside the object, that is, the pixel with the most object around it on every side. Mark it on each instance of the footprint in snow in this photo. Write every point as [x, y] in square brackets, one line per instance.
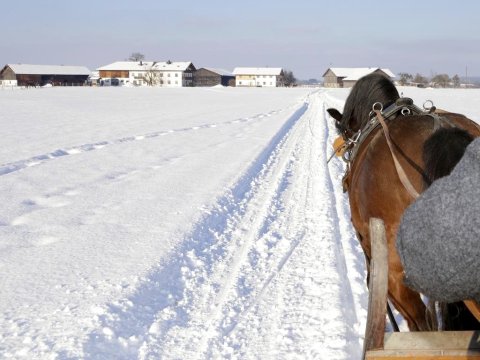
[45, 240]
[50, 201]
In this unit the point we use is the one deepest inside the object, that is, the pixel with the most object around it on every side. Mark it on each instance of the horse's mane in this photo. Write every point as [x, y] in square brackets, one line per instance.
[443, 150]
[368, 90]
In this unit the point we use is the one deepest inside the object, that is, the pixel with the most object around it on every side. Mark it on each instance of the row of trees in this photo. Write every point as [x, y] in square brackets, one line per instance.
[441, 80]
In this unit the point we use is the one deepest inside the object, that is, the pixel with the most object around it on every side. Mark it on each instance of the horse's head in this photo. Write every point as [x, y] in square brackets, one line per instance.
[367, 91]
[339, 122]
[346, 126]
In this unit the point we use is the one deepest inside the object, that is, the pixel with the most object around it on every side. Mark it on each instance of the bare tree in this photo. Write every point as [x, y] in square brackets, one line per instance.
[136, 56]
[405, 78]
[288, 78]
[151, 77]
[441, 80]
[420, 79]
[456, 80]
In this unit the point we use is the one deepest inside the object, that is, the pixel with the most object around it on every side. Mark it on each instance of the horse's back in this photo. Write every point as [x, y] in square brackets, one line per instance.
[374, 186]
[463, 122]
[374, 175]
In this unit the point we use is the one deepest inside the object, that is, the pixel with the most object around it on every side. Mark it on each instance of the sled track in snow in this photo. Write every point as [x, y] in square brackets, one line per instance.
[268, 252]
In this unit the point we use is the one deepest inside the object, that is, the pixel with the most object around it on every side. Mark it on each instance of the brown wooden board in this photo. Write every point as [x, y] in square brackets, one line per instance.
[377, 301]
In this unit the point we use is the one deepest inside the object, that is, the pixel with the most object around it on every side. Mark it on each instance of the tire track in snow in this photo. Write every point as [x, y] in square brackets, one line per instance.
[305, 314]
[60, 153]
[288, 268]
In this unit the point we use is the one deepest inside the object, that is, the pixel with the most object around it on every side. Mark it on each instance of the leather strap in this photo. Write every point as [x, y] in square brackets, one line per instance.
[401, 173]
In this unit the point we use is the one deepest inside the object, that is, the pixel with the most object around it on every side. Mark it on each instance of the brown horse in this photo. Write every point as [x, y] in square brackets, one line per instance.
[372, 179]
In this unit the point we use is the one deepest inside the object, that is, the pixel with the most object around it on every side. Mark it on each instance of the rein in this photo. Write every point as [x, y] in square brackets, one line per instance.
[401, 173]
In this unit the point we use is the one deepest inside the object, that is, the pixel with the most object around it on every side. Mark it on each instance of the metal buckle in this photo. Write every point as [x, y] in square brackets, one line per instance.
[377, 106]
[355, 138]
[426, 104]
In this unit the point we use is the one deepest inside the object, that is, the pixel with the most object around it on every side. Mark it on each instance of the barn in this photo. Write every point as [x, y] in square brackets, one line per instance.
[212, 77]
[347, 77]
[39, 75]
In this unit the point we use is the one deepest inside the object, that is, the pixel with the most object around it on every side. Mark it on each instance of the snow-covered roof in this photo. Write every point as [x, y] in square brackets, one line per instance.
[172, 66]
[94, 75]
[147, 65]
[256, 71]
[221, 72]
[127, 65]
[48, 69]
[354, 74]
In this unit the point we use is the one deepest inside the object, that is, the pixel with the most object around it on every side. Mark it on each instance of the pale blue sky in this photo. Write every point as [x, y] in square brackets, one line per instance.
[305, 36]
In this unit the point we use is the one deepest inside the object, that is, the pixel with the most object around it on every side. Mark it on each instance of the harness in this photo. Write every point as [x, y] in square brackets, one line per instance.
[402, 106]
[378, 117]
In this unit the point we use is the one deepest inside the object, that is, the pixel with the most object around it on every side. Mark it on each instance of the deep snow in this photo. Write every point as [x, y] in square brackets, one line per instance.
[198, 223]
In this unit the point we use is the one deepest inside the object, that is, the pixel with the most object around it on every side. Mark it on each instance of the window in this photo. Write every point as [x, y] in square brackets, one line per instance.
[161, 74]
[169, 81]
[176, 74]
[168, 75]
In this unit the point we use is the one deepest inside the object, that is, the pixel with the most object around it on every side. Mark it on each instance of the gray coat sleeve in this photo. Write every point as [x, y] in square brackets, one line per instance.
[439, 236]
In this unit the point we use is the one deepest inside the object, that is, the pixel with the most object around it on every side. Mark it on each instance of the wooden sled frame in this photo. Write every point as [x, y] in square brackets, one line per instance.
[379, 345]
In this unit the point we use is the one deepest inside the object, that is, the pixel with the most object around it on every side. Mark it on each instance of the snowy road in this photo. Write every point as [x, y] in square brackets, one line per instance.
[218, 232]
[265, 274]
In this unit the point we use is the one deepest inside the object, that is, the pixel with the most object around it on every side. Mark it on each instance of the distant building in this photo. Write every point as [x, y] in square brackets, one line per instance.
[93, 78]
[347, 77]
[142, 73]
[212, 77]
[39, 75]
[260, 77]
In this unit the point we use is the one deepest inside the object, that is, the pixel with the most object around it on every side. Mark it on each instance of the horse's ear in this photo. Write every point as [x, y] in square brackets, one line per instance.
[334, 113]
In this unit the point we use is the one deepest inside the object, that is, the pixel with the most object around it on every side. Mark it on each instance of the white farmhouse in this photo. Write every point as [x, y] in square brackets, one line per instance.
[261, 77]
[143, 73]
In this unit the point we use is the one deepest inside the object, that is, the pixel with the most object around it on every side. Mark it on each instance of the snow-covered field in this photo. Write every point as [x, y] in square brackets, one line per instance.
[199, 223]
